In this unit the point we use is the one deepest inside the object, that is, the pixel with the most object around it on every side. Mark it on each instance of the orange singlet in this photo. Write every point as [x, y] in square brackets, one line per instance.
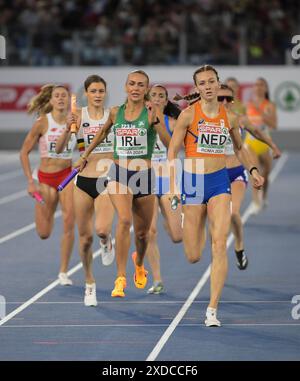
[206, 137]
[255, 116]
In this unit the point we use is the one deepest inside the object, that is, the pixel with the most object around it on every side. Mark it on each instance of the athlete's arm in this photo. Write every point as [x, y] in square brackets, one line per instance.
[258, 134]
[242, 154]
[30, 141]
[99, 137]
[64, 138]
[270, 116]
[157, 120]
[180, 130]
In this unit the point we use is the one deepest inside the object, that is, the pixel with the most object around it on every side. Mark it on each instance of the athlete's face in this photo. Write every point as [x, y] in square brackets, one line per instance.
[234, 85]
[96, 94]
[136, 87]
[207, 84]
[225, 97]
[260, 88]
[158, 96]
[60, 99]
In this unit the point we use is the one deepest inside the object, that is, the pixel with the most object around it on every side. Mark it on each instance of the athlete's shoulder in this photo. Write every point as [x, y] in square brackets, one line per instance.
[114, 110]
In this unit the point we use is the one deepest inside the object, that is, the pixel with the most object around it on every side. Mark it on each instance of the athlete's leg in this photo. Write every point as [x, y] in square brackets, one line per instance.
[238, 189]
[104, 216]
[121, 199]
[84, 210]
[266, 164]
[44, 213]
[143, 210]
[67, 239]
[256, 194]
[172, 218]
[152, 251]
[194, 234]
[218, 210]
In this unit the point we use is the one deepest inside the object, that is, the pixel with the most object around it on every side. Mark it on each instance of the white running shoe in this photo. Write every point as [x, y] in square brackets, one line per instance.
[256, 208]
[64, 280]
[90, 298]
[107, 252]
[211, 318]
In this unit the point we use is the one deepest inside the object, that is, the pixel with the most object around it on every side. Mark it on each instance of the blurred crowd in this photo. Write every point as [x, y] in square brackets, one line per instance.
[148, 32]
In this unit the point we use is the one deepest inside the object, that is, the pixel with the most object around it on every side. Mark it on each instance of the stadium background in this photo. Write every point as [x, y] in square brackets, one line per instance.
[54, 41]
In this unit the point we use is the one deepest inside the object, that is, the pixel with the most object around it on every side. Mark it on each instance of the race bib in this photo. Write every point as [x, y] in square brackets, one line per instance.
[212, 139]
[66, 153]
[104, 147]
[131, 141]
[160, 151]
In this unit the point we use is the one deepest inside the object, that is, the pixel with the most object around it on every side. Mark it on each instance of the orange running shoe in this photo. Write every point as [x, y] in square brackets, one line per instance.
[140, 274]
[120, 284]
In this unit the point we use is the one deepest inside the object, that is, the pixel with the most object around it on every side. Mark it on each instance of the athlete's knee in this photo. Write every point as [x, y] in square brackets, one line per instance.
[192, 255]
[235, 216]
[124, 222]
[102, 231]
[153, 233]
[142, 234]
[43, 234]
[176, 236]
[219, 245]
[86, 242]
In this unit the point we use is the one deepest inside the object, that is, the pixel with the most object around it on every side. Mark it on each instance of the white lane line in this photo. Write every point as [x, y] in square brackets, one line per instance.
[45, 290]
[165, 302]
[13, 197]
[148, 325]
[171, 328]
[25, 229]
[10, 175]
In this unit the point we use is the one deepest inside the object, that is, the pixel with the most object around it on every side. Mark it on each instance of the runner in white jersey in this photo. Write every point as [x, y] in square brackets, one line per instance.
[90, 194]
[172, 218]
[51, 104]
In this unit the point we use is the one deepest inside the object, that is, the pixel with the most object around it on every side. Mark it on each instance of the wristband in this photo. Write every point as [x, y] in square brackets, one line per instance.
[252, 169]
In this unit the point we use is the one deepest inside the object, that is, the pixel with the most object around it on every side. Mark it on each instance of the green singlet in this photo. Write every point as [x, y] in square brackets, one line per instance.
[133, 139]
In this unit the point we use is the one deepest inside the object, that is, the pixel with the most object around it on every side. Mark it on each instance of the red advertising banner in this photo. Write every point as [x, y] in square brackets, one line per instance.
[16, 97]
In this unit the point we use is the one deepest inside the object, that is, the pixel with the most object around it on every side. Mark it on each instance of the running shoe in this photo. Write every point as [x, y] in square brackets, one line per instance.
[140, 274]
[107, 251]
[211, 318]
[64, 280]
[120, 285]
[156, 288]
[90, 298]
[242, 260]
[256, 208]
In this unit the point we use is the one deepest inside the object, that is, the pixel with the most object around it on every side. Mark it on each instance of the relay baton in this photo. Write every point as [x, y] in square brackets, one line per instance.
[73, 109]
[66, 181]
[38, 197]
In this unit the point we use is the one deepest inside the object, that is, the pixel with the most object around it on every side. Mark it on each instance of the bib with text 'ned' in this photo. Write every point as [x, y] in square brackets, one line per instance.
[207, 136]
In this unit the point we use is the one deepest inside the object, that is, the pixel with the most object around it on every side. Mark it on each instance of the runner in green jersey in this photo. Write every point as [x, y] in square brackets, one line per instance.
[131, 181]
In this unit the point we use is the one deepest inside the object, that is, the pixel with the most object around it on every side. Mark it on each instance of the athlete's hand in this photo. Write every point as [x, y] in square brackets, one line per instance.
[80, 163]
[276, 152]
[257, 180]
[31, 188]
[72, 118]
